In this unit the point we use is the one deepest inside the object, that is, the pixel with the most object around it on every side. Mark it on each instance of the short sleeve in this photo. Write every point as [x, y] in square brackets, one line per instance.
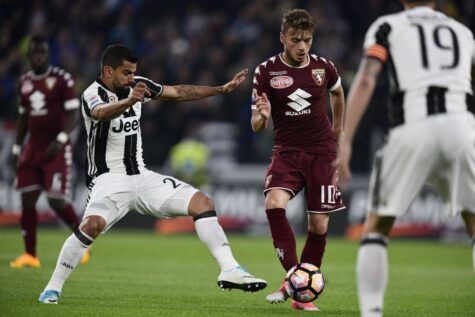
[473, 52]
[21, 101]
[376, 44]
[92, 97]
[154, 88]
[334, 80]
[71, 102]
[260, 84]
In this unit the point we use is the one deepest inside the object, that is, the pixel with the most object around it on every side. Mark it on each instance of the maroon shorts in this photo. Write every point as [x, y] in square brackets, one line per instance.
[53, 176]
[293, 170]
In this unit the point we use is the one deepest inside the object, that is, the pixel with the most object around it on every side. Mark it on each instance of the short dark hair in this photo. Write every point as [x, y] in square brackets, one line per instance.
[114, 56]
[298, 19]
[420, 1]
[39, 38]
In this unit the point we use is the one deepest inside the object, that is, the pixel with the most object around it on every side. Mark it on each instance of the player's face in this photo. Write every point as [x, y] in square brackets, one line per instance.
[123, 76]
[297, 44]
[38, 54]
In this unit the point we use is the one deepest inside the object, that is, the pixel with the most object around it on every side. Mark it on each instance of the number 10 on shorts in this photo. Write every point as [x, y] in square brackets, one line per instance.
[327, 194]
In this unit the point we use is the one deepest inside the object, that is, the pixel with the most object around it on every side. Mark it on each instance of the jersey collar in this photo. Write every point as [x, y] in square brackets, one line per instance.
[303, 66]
[40, 76]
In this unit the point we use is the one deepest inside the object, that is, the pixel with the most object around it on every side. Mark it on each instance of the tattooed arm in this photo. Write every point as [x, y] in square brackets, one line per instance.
[357, 102]
[191, 92]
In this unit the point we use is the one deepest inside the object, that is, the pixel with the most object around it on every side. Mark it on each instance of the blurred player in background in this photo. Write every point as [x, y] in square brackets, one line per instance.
[432, 139]
[295, 85]
[119, 180]
[48, 112]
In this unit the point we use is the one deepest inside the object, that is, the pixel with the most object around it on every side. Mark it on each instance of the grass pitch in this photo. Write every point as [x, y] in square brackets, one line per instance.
[134, 273]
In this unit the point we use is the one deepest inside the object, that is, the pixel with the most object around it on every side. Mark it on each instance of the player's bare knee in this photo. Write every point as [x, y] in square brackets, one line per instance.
[318, 228]
[57, 204]
[318, 223]
[92, 226]
[469, 219]
[199, 204]
[29, 199]
[275, 201]
[378, 224]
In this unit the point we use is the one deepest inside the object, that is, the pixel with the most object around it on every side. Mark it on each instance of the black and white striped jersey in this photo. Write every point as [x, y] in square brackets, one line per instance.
[429, 57]
[114, 145]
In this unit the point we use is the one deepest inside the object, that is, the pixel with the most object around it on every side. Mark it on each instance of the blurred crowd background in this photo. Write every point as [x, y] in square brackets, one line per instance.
[198, 42]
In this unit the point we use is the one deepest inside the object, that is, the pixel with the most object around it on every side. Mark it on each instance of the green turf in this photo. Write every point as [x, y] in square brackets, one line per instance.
[142, 274]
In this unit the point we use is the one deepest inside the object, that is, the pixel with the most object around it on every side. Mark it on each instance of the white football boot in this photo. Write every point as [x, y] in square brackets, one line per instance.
[240, 278]
[49, 297]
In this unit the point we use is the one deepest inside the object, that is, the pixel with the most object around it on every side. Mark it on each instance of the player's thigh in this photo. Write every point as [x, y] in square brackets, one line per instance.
[456, 182]
[111, 197]
[321, 191]
[29, 177]
[401, 167]
[164, 196]
[283, 173]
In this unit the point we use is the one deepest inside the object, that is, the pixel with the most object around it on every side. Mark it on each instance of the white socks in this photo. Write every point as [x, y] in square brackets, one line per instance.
[211, 233]
[372, 274]
[70, 256]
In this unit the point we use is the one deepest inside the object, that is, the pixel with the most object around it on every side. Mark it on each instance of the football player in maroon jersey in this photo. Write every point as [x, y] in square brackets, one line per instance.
[292, 88]
[48, 112]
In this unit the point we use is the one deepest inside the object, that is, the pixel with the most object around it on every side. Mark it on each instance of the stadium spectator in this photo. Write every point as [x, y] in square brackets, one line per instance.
[292, 87]
[432, 138]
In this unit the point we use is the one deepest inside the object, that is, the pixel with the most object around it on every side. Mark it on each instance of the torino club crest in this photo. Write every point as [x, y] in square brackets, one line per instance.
[318, 75]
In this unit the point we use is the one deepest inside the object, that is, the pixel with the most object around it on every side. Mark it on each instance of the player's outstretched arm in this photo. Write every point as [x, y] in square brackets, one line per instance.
[192, 92]
[358, 99]
[260, 116]
[108, 111]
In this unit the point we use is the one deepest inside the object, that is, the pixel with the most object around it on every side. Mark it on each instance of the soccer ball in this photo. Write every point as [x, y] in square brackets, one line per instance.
[304, 282]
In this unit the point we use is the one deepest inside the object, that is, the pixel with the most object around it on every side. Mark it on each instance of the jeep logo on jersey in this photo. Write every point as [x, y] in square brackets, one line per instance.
[281, 82]
[128, 125]
[298, 100]
[318, 75]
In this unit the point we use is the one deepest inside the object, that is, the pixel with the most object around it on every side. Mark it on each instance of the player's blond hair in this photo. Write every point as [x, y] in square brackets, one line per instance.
[298, 19]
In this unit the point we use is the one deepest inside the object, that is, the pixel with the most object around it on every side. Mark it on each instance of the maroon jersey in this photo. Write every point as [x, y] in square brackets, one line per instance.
[44, 99]
[298, 102]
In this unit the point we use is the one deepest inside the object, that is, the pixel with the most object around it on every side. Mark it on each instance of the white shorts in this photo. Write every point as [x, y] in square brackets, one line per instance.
[439, 151]
[113, 195]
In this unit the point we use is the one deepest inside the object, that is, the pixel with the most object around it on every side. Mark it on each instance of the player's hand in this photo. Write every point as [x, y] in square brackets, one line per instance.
[53, 150]
[14, 162]
[139, 92]
[235, 82]
[344, 171]
[263, 106]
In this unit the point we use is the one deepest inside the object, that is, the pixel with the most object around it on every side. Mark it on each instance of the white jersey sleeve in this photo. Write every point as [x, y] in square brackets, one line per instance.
[429, 57]
[154, 88]
[376, 40]
[92, 97]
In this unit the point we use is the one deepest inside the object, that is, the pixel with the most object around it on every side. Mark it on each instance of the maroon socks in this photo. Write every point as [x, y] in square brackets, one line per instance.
[314, 248]
[283, 237]
[29, 223]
